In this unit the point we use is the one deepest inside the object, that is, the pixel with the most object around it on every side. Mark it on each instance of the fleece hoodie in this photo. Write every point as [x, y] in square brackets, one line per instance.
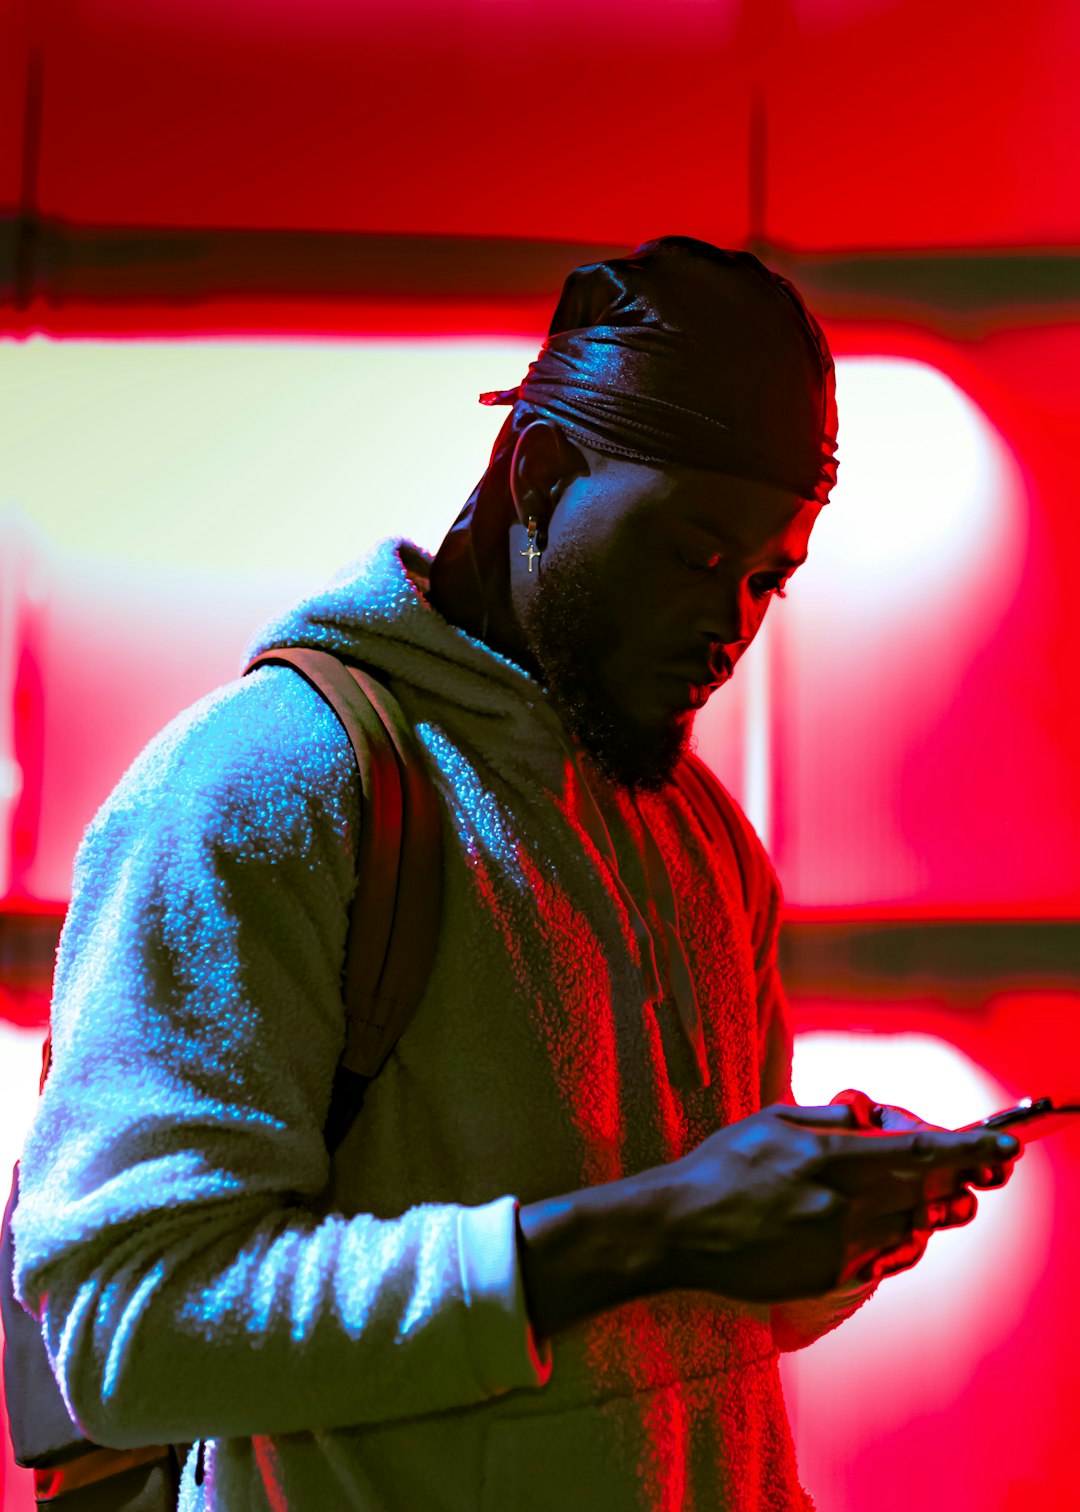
[353, 1333]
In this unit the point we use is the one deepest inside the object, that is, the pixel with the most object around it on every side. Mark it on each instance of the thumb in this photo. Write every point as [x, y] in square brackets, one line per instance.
[828, 1116]
[868, 1114]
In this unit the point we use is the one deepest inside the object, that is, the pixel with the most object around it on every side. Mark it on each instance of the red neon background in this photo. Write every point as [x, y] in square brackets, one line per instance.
[848, 126]
[965, 756]
[990, 792]
[890, 123]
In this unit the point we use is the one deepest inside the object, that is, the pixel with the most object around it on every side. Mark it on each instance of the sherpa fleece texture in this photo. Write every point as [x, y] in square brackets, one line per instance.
[355, 1334]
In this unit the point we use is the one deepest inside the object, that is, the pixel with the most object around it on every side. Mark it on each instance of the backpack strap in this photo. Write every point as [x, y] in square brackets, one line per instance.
[396, 908]
[393, 937]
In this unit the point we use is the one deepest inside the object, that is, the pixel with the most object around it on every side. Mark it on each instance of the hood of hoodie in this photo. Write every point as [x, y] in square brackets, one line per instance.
[457, 692]
[374, 610]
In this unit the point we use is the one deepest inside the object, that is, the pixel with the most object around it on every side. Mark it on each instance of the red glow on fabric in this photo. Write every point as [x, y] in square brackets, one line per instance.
[266, 1458]
[666, 1426]
[573, 1013]
[628, 1350]
[672, 1115]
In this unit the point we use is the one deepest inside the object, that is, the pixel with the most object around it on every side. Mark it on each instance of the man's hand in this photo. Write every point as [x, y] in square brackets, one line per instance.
[943, 1209]
[814, 1201]
[786, 1204]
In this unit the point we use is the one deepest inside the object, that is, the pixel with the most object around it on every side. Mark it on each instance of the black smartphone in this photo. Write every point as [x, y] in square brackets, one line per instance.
[1031, 1118]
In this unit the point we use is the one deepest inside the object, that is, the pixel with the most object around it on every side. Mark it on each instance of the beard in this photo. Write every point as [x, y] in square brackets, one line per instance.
[571, 632]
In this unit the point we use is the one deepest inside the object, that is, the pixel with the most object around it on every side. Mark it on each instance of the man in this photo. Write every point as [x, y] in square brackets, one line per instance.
[553, 1260]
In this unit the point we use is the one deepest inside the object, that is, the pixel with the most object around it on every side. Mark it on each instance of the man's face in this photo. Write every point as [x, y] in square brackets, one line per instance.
[652, 585]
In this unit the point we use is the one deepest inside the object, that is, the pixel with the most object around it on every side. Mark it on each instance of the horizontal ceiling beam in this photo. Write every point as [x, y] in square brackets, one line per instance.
[898, 957]
[963, 960]
[48, 268]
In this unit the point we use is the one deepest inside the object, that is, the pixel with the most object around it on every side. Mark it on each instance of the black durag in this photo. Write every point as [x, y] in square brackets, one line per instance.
[682, 353]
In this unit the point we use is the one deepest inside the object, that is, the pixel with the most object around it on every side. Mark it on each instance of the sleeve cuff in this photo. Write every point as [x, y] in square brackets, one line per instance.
[503, 1347]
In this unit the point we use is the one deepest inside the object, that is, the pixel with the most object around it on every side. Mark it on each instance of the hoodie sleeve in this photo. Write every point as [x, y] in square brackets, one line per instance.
[795, 1324]
[168, 1232]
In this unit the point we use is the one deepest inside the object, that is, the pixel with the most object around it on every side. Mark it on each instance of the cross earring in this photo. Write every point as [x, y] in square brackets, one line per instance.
[532, 553]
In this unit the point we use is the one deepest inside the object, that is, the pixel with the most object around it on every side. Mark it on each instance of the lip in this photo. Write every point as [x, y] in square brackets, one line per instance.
[709, 678]
[695, 685]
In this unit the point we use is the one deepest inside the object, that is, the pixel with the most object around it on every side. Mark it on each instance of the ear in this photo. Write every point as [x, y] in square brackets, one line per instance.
[545, 460]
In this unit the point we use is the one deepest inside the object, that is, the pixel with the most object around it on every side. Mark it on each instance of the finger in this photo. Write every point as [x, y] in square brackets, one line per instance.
[961, 1210]
[879, 1169]
[988, 1176]
[927, 1148]
[869, 1245]
[895, 1193]
[952, 1213]
[879, 1194]
[827, 1116]
[887, 1116]
[898, 1120]
[866, 1113]
[904, 1258]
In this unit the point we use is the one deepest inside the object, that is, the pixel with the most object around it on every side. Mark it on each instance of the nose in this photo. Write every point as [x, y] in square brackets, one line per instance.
[732, 617]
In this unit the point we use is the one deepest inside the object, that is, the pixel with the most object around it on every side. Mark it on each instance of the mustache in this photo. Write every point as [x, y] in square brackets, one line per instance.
[706, 675]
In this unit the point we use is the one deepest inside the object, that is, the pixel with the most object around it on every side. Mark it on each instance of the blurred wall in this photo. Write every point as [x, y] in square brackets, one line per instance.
[904, 733]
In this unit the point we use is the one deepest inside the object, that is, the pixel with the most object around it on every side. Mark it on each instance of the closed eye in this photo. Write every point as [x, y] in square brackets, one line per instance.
[766, 583]
[698, 564]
